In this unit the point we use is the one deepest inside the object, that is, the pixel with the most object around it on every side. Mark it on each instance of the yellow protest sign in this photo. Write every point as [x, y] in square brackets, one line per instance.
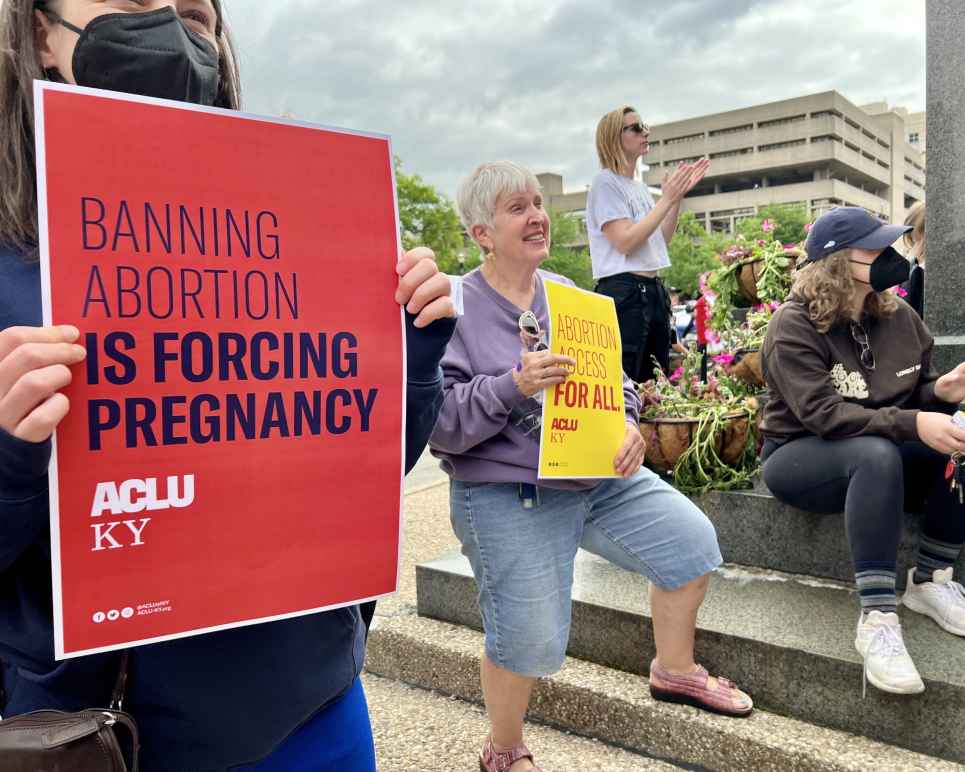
[583, 417]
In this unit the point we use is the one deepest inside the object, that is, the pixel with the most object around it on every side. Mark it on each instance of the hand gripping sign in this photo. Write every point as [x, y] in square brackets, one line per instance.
[233, 452]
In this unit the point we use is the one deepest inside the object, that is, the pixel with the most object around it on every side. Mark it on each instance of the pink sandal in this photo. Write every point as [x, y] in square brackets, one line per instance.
[694, 689]
[492, 760]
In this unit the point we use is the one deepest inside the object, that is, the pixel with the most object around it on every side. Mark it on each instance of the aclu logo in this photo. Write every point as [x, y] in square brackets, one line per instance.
[130, 497]
[113, 615]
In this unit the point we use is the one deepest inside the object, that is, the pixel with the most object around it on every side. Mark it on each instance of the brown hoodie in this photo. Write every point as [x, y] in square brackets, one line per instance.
[819, 386]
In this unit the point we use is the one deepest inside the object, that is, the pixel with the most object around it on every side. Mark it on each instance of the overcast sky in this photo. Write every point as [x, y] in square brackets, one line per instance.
[458, 83]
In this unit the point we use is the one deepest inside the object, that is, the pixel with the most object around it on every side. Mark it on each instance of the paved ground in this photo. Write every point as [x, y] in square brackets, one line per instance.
[423, 731]
[420, 731]
[424, 473]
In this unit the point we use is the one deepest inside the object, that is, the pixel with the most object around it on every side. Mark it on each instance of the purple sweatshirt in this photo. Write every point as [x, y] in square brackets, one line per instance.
[487, 430]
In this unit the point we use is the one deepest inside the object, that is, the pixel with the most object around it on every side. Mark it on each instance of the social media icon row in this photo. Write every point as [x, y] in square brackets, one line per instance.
[113, 615]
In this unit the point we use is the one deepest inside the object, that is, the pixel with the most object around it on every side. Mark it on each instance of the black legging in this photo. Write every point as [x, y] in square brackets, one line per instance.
[872, 479]
[643, 312]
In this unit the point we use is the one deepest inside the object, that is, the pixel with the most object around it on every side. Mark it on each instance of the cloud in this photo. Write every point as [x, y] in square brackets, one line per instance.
[456, 84]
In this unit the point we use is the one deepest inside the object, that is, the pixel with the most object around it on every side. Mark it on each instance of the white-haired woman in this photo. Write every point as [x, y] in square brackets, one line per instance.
[520, 534]
[858, 423]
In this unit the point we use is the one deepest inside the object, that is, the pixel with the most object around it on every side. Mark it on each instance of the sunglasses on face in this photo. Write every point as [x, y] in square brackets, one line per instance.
[529, 327]
[866, 355]
[637, 128]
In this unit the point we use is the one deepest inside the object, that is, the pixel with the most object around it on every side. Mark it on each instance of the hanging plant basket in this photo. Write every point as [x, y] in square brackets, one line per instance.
[669, 438]
[747, 277]
[746, 366]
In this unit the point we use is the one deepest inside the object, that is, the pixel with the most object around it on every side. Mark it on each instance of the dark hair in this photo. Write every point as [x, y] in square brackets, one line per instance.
[19, 67]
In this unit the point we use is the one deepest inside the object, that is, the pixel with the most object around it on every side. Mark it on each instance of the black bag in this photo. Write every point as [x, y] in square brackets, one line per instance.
[55, 741]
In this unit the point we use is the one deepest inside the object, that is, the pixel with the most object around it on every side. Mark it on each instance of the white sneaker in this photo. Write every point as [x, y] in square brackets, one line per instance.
[941, 599]
[886, 661]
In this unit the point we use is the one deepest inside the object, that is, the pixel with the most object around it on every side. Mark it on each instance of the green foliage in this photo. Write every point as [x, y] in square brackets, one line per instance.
[693, 251]
[429, 219]
[788, 221]
[565, 258]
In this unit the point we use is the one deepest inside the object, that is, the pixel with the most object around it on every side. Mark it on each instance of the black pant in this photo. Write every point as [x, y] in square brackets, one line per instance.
[643, 312]
[873, 480]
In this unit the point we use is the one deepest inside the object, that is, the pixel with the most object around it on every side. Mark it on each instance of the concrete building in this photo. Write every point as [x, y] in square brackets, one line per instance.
[819, 151]
[915, 127]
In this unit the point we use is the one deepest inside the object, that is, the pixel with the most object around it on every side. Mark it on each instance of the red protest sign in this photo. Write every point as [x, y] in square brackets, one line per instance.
[233, 452]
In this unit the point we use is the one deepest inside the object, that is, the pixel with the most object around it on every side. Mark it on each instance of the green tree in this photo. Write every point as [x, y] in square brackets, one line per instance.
[789, 221]
[429, 219]
[568, 257]
[692, 251]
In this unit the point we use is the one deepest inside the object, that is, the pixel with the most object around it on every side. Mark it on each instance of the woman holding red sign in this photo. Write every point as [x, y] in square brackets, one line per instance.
[282, 695]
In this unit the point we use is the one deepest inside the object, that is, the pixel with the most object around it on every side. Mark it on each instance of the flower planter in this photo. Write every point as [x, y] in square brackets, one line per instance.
[668, 438]
[747, 276]
[746, 366]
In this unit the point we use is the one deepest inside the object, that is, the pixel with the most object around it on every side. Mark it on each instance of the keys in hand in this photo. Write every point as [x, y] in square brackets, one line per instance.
[955, 471]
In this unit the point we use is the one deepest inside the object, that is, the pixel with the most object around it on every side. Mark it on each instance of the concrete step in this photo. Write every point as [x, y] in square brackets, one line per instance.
[754, 529]
[612, 706]
[417, 729]
[788, 640]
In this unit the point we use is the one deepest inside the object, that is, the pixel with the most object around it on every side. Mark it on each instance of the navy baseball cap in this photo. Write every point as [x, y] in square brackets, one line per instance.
[850, 226]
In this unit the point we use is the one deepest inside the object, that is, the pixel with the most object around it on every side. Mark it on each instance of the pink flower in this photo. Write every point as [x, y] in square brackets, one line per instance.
[900, 291]
[761, 242]
[712, 336]
[676, 375]
[723, 359]
[767, 226]
[774, 305]
[807, 227]
[704, 289]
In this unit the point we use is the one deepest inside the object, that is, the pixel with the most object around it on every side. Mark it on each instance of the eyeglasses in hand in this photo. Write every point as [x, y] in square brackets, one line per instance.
[866, 355]
[531, 331]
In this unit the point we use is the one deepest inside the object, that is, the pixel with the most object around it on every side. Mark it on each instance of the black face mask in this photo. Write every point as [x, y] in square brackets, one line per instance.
[151, 54]
[888, 270]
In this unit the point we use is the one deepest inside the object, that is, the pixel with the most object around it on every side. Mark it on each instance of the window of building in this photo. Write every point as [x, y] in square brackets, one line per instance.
[781, 121]
[731, 130]
[827, 114]
[730, 153]
[687, 138]
[883, 143]
[781, 145]
[744, 211]
[913, 138]
[852, 146]
[826, 138]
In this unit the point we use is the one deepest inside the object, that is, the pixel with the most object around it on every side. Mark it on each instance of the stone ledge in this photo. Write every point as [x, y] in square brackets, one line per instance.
[755, 529]
[615, 707]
